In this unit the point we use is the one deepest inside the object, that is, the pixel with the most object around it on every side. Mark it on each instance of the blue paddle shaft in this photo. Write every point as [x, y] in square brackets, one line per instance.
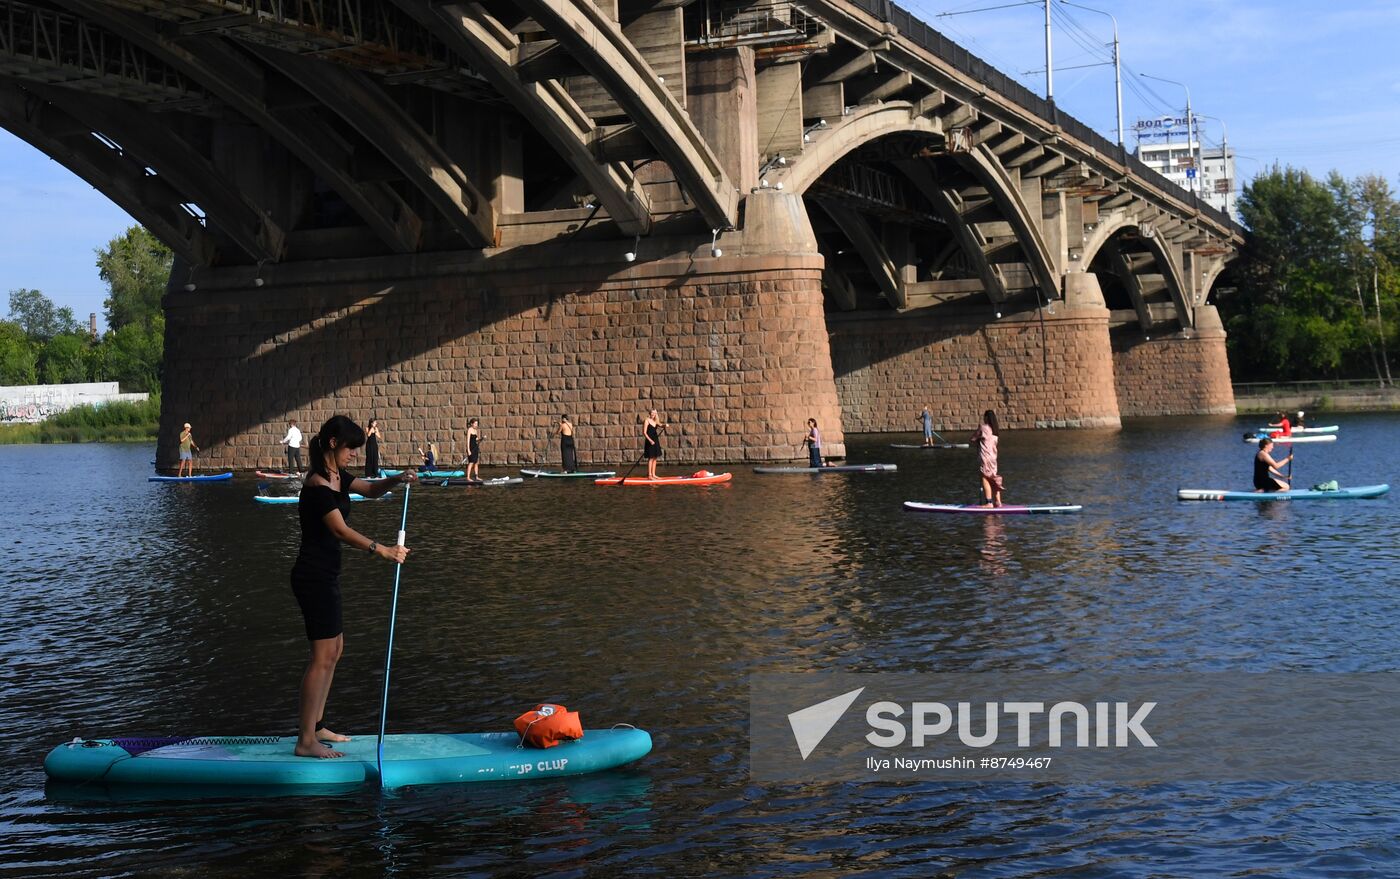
[389, 652]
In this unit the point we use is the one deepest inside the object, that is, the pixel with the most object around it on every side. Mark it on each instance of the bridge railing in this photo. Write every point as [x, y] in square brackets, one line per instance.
[920, 33]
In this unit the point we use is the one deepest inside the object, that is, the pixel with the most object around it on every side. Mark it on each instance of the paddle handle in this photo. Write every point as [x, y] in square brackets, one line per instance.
[402, 536]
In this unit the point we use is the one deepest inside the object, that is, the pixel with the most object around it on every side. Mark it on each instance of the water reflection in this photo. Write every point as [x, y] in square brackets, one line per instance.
[160, 609]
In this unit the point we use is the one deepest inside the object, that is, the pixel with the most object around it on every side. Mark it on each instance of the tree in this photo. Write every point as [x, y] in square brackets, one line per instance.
[134, 354]
[62, 360]
[136, 267]
[1294, 313]
[38, 317]
[17, 362]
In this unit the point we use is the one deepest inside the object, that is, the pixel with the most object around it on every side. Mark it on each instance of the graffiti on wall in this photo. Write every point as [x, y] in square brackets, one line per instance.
[29, 411]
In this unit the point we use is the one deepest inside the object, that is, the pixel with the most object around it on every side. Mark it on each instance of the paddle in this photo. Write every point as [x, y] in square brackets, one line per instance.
[622, 480]
[389, 653]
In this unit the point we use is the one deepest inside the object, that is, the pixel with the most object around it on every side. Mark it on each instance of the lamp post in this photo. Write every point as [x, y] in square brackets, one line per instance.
[1049, 66]
[1224, 158]
[1117, 66]
[1190, 129]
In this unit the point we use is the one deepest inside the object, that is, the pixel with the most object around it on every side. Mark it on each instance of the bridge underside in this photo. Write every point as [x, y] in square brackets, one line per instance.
[745, 213]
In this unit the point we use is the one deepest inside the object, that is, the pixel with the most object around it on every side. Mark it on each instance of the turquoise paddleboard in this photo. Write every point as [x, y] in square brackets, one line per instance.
[409, 759]
[1302, 494]
[217, 477]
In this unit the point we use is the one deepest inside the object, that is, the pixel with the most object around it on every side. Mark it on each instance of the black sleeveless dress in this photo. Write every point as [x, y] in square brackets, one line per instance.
[569, 453]
[653, 442]
[372, 457]
[1262, 480]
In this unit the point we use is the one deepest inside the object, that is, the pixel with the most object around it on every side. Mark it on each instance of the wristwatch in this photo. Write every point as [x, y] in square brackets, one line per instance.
[373, 545]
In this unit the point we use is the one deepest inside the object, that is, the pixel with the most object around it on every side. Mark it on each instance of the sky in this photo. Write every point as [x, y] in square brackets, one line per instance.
[1308, 84]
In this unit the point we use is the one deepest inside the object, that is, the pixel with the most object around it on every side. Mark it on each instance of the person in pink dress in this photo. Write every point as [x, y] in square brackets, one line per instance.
[986, 439]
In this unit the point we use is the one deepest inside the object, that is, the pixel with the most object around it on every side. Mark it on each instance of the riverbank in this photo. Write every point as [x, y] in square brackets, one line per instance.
[119, 422]
[1320, 396]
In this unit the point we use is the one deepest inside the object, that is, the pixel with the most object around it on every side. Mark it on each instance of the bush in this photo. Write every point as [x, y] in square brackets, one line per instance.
[119, 422]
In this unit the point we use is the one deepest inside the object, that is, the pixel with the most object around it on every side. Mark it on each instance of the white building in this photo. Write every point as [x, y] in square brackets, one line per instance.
[1164, 146]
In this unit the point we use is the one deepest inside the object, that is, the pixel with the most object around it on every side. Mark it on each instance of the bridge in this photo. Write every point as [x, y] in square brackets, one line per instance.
[742, 212]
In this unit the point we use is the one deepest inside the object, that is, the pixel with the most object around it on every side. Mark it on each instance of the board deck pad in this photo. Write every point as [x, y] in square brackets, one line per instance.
[932, 447]
[1003, 510]
[835, 468]
[216, 477]
[409, 759]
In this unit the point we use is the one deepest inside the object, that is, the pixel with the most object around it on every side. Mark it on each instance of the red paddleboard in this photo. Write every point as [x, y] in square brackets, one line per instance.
[704, 477]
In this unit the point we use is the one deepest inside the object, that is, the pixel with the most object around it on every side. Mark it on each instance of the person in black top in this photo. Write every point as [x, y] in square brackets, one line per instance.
[473, 450]
[568, 452]
[651, 441]
[324, 508]
[1267, 472]
[372, 435]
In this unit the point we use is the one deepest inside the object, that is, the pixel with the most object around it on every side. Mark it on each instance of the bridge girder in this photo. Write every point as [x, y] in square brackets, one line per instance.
[242, 85]
[120, 177]
[599, 45]
[471, 31]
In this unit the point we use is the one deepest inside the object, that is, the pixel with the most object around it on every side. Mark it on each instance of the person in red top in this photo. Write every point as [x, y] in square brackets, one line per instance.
[1283, 425]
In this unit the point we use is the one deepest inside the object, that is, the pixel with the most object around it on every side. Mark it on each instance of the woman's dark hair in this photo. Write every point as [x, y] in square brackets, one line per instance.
[1265, 442]
[564, 417]
[812, 421]
[347, 435]
[373, 422]
[989, 418]
[473, 421]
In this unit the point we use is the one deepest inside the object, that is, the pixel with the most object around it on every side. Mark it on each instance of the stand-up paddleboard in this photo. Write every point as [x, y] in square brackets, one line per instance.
[427, 474]
[580, 474]
[1329, 428]
[1301, 494]
[275, 474]
[291, 498]
[1324, 438]
[932, 447]
[1003, 510]
[834, 468]
[483, 483]
[216, 477]
[267, 761]
[704, 477]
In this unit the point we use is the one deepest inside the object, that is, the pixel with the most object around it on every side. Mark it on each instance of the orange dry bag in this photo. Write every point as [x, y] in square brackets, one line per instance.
[546, 725]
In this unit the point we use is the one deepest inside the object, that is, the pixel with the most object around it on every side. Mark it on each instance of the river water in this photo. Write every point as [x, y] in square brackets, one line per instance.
[136, 608]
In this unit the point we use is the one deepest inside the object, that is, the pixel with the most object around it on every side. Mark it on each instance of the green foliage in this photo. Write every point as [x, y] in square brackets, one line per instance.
[136, 267]
[40, 319]
[107, 423]
[63, 360]
[1316, 287]
[134, 354]
[18, 365]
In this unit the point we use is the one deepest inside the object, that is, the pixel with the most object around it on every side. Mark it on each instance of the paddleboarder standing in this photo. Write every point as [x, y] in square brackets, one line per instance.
[324, 510]
[987, 439]
[372, 435]
[814, 444]
[1268, 475]
[651, 441]
[187, 450]
[927, 418]
[567, 452]
[293, 443]
[474, 450]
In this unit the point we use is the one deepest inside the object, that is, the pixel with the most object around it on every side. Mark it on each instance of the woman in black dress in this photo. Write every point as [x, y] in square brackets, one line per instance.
[568, 453]
[651, 441]
[473, 450]
[324, 508]
[372, 449]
